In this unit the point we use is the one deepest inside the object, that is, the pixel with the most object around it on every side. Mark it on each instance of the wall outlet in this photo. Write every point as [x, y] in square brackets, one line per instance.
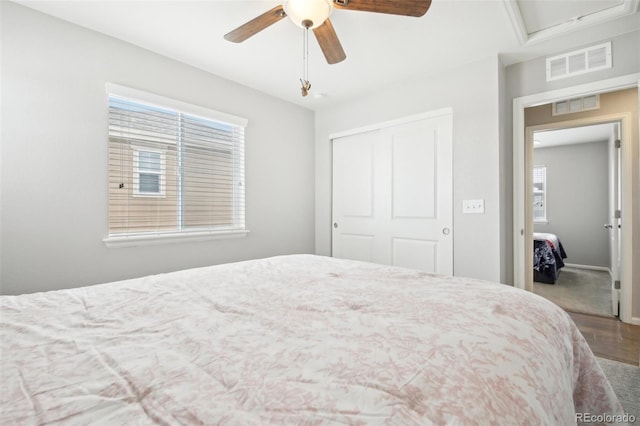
[473, 206]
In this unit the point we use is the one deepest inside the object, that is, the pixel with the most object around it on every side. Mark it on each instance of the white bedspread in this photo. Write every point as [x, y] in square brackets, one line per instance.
[545, 236]
[295, 340]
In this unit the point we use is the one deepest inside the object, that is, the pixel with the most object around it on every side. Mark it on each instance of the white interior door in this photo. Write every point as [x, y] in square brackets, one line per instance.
[614, 218]
[392, 195]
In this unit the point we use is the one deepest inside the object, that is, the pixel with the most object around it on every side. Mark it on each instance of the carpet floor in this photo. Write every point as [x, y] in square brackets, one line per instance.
[579, 290]
[625, 380]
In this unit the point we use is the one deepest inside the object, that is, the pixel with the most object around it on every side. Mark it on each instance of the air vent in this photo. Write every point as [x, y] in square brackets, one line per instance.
[571, 106]
[579, 62]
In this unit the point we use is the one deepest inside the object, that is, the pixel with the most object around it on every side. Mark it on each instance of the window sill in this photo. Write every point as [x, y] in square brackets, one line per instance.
[170, 238]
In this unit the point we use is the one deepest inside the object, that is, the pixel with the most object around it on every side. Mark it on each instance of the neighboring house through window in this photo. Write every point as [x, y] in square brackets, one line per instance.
[540, 194]
[175, 170]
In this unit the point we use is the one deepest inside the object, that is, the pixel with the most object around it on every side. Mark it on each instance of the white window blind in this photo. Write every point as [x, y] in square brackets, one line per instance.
[172, 173]
[539, 194]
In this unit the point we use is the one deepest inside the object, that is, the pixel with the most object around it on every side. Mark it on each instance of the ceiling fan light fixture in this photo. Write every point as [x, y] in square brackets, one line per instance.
[303, 11]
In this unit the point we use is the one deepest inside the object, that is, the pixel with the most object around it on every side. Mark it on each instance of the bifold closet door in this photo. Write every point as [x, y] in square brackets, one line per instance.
[392, 195]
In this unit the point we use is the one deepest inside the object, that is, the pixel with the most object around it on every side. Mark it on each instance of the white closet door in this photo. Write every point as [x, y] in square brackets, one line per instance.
[392, 195]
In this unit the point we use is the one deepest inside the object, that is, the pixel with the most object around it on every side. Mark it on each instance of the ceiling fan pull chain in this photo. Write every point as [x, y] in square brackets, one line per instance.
[305, 57]
[306, 85]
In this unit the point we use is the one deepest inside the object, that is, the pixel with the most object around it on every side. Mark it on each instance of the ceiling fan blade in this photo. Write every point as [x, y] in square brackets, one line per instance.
[256, 25]
[415, 8]
[329, 43]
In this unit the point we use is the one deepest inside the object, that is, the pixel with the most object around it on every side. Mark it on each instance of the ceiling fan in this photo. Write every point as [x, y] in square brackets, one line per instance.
[314, 15]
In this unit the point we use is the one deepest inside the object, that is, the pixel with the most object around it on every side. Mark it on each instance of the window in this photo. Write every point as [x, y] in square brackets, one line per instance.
[539, 194]
[148, 176]
[175, 170]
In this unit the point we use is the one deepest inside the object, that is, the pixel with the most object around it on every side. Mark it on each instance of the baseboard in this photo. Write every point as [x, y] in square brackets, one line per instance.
[593, 268]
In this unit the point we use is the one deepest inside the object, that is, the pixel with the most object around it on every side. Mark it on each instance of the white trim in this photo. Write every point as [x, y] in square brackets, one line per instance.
[515, 16]
[589, 267]
[176, 237]
[164, 102]
[392, 123]
[544, 193]
[521, 229]
[628, 7]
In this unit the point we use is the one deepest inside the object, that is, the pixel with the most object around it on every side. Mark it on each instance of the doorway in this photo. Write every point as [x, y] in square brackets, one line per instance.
[575, 177]
[522, 221]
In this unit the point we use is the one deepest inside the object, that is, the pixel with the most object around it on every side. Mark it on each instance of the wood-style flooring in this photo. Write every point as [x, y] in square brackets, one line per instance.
[610, 338]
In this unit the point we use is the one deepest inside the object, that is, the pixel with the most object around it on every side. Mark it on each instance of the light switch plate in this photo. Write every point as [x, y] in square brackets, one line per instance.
[473, 206]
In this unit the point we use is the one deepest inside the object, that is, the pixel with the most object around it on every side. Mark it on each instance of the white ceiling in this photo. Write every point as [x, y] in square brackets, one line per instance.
[571, 136]
[381, 49]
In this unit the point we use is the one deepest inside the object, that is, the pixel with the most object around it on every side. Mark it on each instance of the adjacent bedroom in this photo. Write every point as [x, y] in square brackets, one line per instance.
[416, 212]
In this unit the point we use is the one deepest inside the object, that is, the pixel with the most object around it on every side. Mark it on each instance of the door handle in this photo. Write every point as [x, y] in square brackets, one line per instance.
[445, 231]
[335, 224]
[608, 226]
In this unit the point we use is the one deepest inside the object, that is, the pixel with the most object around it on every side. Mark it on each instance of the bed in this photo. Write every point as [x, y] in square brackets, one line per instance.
[298, 339]
[548, 257]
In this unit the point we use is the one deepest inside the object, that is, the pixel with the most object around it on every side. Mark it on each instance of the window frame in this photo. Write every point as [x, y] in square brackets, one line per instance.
[237, 230]
[162, 183]
[543, 219]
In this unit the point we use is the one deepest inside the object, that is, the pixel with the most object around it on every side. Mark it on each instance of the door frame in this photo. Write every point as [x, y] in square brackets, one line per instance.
[522, 164]
[618, 119]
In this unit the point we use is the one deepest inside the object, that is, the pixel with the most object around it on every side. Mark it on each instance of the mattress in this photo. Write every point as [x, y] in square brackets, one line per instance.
[298, 339]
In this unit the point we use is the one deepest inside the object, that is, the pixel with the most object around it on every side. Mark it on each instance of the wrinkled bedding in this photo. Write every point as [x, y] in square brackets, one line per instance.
[296, 339]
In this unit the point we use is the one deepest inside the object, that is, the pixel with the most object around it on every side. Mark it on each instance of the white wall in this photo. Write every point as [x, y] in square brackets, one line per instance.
[54, 158]
[473, 93]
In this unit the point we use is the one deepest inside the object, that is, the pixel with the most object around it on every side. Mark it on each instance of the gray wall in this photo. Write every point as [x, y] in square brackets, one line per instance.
[577, 200]
[54, 158]
[473, 93]
[529, 77]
